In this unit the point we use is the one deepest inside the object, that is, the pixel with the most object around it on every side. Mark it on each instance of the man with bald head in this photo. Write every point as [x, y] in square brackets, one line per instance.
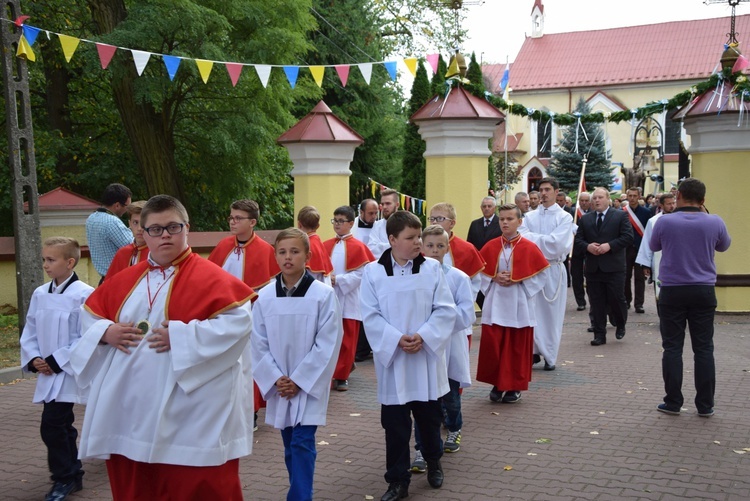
[485, 228]
[368, 214]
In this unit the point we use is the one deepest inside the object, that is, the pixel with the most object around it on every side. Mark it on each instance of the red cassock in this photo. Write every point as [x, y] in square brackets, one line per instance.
[259, 268]
[260, 260]
[465, 256]
[505, 353]
[357, 255]
[124, 257]
[320, 262]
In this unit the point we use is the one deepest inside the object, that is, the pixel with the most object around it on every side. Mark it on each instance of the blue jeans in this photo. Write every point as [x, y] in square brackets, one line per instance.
[451, 403]
[299, 456]
[693, 305]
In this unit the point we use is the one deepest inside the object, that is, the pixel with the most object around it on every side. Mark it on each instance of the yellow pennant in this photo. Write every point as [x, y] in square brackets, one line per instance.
[25, 50]
[69, 45]
[373, 187]
[317, 73]
[453, 69]
[403, 200]
[411, 64]
[204, 67]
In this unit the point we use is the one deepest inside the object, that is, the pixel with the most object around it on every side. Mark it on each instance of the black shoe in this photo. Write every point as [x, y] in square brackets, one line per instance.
[342, 384]
[495, 394]
[61, 490]
[639, 309]
[590, 329]
[597, 341]
[535, 359]
[435, 474]
[581, 307]
[511, 397]
[396, 490]
[620, 332]
[548, 367]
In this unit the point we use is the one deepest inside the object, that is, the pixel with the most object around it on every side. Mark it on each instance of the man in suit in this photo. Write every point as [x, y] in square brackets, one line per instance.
[485, 228]
[638, 217]
[578, 257]
[604, 234]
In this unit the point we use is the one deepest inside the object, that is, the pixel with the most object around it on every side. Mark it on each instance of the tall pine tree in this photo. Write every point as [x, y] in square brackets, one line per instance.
[567, 161]
[413, 164]
[474, 76]
[438, 80]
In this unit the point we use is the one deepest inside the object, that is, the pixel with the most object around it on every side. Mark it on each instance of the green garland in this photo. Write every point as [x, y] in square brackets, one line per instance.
[740, 83]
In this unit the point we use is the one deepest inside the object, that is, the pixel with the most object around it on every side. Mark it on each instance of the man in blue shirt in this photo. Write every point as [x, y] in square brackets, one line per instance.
[688, 239]
[105, 231]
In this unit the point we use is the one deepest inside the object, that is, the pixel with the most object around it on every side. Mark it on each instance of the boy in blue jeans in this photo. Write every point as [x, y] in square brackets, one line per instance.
[297, 333]
[408, 314]
[52, 326]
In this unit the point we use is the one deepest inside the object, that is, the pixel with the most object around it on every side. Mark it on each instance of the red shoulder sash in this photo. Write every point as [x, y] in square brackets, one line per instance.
[527, 259]
[465, 256]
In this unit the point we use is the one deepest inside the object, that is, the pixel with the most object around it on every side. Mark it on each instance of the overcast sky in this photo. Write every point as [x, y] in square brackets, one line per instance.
[498, 27]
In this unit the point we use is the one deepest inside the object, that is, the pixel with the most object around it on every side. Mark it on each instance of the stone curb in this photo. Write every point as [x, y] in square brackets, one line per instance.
[12, 373]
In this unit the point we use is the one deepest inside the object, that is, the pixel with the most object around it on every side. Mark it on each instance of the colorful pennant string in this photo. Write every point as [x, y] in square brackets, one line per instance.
[412, 204]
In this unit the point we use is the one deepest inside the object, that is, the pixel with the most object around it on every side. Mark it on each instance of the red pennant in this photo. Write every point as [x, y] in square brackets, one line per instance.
[20, 20]
[343, 72]
[741, 63]
[105, 53]
[234, 70]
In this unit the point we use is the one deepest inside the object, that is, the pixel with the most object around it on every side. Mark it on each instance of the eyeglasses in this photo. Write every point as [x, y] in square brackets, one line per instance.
[172, 229]
[438, 219]
[340, 221]
[236, 219]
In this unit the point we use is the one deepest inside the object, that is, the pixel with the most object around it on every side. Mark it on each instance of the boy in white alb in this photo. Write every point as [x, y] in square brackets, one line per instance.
[52, 326]
[165, 348]
[349, 257]
[435, 244]
[408, 314]
[295, 344]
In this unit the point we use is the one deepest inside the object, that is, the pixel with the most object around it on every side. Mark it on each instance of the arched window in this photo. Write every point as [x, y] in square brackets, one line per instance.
[532, 180]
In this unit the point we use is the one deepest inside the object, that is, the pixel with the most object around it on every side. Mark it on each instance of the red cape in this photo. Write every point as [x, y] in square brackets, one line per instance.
[199, 290]
[527, 259]
[320, 262]
[465, 256]
[356, 252]
[123, 256]
[260, 260]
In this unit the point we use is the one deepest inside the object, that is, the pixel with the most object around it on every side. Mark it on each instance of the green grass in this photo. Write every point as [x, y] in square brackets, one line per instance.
[10, 349]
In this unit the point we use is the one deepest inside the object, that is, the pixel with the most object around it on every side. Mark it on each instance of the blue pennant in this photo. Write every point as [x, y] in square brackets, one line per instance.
[172, 63]
[291, 74]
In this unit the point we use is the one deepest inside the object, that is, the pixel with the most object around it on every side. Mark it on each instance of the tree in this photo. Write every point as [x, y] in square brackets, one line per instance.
[437, 85]
[410, 24]
[567, 161]
[475, 78]
[413, 165]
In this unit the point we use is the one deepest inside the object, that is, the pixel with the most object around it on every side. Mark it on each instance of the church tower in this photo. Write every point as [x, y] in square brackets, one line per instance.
[537, 19]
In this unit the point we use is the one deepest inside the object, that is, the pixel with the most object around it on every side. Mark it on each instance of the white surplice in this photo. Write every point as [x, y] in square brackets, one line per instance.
[361, 234]
[647, 257]
[297, 337]
[378, 242]
[53, 325]
[551, 229]
[392, 306]
[457, 351]
[347, 283]
[191, 405]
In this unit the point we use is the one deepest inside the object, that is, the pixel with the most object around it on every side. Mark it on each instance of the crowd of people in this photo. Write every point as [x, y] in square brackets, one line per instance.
[175, 354]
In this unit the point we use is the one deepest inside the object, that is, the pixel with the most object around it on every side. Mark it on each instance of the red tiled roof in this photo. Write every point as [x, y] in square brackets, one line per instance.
[458, 104]
[664, 52]
[62, 199]
[320, 125]
[538, 3]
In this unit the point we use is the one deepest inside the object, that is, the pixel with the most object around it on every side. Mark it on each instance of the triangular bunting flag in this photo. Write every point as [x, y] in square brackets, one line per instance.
[234, 70]
[453, 69]
[391, 67]
[140, 58]
[318, 72]
[105, 53]
[204, 68]
[366, 70]
[433, 60]
[411, 64]
[739, 65]
[171, 63]
[343, 72]
[20, 20]
[30, 33]
[292, 72]
[402, 197]
[264, 72]
[373, 187]
[69, 45]
[24, 50]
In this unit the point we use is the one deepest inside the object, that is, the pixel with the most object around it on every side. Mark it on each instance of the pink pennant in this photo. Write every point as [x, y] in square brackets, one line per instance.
[105, 53]
[234, 70]
[741, 63]
[343, 71]
[433, 60]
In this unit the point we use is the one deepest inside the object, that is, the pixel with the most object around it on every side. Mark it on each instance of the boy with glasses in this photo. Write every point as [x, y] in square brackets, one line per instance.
[349, 257]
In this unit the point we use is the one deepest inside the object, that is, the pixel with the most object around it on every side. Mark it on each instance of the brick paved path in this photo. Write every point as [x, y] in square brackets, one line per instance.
[604, 438]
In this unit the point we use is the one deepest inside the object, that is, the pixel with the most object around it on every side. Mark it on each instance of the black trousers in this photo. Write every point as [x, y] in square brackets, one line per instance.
[606, 295]
[695, 306]
[576, 276]
[636, 296]
[363, 345]
[397, 423]
[59, 435]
